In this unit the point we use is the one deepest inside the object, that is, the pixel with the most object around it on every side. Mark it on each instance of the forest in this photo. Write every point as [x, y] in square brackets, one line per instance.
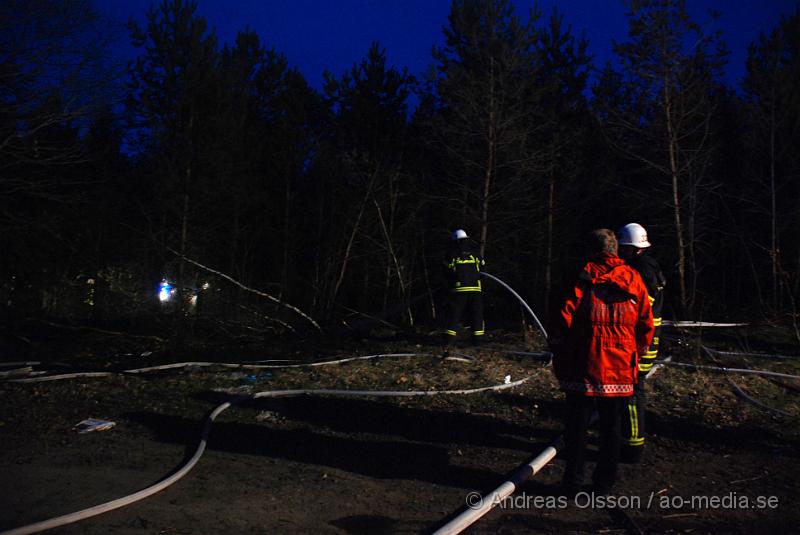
[269, 208]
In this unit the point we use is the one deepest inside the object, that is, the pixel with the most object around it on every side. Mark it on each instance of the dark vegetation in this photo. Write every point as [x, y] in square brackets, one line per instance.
[287, 217]
[206, 156]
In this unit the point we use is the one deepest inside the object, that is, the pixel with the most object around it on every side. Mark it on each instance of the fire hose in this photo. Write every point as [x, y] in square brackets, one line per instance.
[458, 524]
[183, 470]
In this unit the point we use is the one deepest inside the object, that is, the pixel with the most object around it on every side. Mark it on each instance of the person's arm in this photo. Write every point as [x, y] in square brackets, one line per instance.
[644, 326]
[561, 325]
[448, 271]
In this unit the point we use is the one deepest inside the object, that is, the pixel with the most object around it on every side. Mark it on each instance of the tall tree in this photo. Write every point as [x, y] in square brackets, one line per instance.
[485, 117]
[564, 67]
[772, 91]
[657, 108]
[367, 145]
[293, 113]
[169, 104]
[54, 74]
[261, 149]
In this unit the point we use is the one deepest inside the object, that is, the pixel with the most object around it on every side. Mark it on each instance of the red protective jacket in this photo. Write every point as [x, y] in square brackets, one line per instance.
[607, 323]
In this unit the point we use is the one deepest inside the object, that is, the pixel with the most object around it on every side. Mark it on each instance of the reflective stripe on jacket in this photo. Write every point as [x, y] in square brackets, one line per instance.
[463, 269]
[654, 281]
[608, 324]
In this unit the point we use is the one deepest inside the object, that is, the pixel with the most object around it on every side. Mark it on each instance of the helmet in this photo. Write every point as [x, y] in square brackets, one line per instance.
[459, 234]
[633, 234]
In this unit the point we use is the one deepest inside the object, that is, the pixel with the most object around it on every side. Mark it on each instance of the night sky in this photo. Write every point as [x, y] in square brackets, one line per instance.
[316, 35]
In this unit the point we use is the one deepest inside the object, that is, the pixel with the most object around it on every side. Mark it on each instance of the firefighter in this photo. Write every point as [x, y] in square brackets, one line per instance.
[633, 246]
[462, 273]
[604, 324]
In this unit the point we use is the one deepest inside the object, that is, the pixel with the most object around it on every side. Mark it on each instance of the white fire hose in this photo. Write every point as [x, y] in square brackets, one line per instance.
[164, 483]
[456, 525]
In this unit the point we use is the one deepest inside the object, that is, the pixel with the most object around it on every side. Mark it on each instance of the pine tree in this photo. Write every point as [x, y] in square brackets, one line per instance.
[772, 92]
[366, 142]
[564, 67]
[485, 117]
[657, 110]
[170, 102]
[54, 74]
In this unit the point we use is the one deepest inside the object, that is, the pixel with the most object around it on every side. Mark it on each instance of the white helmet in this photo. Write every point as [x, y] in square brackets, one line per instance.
[459, 234]
[633, 234]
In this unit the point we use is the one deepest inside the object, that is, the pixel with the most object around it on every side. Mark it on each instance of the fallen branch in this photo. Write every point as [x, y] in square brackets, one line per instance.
[374, 318]
[97, 330]
[16, 372]
[19, 363]
[248, 289]
[59, 377]
[265, 317]
[749, 479]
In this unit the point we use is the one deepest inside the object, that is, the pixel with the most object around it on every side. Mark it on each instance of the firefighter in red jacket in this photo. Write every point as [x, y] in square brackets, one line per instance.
[633, 246]
[604, 325]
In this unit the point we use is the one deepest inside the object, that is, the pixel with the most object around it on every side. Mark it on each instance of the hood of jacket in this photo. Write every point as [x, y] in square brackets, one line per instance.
[610, 269]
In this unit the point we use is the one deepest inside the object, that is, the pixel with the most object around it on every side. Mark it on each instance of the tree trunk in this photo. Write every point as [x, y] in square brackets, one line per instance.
[548, 267]
[233, 243]
[676, 201]
[427, 278]
[351, 239]
[773, 251]
[490, 157]
[393, 257]
[287, 229]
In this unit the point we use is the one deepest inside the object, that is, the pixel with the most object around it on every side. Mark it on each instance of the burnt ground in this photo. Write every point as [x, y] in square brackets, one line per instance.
[384, 465]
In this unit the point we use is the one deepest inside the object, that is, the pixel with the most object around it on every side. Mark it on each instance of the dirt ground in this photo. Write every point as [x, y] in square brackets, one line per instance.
[323, 464]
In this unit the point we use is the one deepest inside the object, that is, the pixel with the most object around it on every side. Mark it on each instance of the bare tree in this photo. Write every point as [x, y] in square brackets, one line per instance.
[563, 72]
[487, 114]
[658, 111]
[772, 89]
[168, 104]
[369, 107]
[54, 74]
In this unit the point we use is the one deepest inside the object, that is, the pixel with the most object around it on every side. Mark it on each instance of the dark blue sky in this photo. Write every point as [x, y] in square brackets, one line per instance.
[316, 35]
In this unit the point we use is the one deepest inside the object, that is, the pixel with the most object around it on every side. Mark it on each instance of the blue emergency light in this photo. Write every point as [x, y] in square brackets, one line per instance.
[165, 291]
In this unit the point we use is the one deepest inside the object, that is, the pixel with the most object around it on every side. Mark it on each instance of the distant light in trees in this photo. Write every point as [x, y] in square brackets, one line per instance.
[165, 291]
